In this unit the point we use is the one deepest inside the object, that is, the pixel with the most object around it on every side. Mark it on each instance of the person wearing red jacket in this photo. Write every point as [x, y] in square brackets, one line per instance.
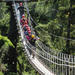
[22, 21]
[26, 21]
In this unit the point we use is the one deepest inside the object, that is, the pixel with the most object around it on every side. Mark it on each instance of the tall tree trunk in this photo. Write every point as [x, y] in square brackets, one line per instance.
[13, 36]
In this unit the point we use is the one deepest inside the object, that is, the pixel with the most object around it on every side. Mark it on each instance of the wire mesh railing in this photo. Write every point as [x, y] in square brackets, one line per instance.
[58, 63]
[44, 46]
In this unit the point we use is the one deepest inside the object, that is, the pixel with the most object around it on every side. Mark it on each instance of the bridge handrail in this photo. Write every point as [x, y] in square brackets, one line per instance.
[66, 55]
[42, 54]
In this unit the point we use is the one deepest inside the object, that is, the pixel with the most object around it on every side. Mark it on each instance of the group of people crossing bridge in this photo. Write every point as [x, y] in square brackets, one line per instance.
[26, 28]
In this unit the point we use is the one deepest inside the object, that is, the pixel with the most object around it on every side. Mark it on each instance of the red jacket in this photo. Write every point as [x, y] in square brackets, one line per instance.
[26, 21]
[22, 21]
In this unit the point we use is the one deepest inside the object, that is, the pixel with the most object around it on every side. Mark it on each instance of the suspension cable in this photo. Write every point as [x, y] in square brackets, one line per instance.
[51, 34]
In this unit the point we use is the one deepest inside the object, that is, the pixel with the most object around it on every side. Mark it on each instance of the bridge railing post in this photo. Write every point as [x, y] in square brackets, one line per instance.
[62, 63]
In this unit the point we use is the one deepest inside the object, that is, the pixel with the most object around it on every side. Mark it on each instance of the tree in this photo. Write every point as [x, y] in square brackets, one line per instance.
[13, 36]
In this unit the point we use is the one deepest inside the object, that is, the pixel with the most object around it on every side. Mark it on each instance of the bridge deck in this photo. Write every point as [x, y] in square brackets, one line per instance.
[34, 62]
[40, 66]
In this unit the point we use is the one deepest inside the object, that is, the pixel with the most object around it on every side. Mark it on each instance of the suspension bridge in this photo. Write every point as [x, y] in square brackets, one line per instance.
[46, 61]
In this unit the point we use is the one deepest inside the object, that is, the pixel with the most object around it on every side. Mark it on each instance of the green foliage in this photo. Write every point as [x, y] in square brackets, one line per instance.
[4, 46]
[1, 73]
[23, 66]
[53, 17]
[12, 73]
[4, 19]
[7, 42]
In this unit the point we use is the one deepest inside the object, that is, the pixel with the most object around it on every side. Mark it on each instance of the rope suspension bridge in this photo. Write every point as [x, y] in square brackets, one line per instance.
[46, 61]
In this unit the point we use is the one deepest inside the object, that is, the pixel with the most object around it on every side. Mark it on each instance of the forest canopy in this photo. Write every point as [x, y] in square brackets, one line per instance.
[55, 18]
[55, 26]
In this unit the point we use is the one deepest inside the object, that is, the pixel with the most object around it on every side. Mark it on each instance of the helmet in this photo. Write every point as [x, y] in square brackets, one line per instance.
[23, 16]
[33, 36]
[21, 4]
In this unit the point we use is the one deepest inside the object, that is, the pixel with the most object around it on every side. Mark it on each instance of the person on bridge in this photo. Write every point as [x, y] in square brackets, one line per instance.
[24, 28]
[21, 9]
[28, 37]
[32, 42]
[26, 32]
[22, 21]
[26, 21]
